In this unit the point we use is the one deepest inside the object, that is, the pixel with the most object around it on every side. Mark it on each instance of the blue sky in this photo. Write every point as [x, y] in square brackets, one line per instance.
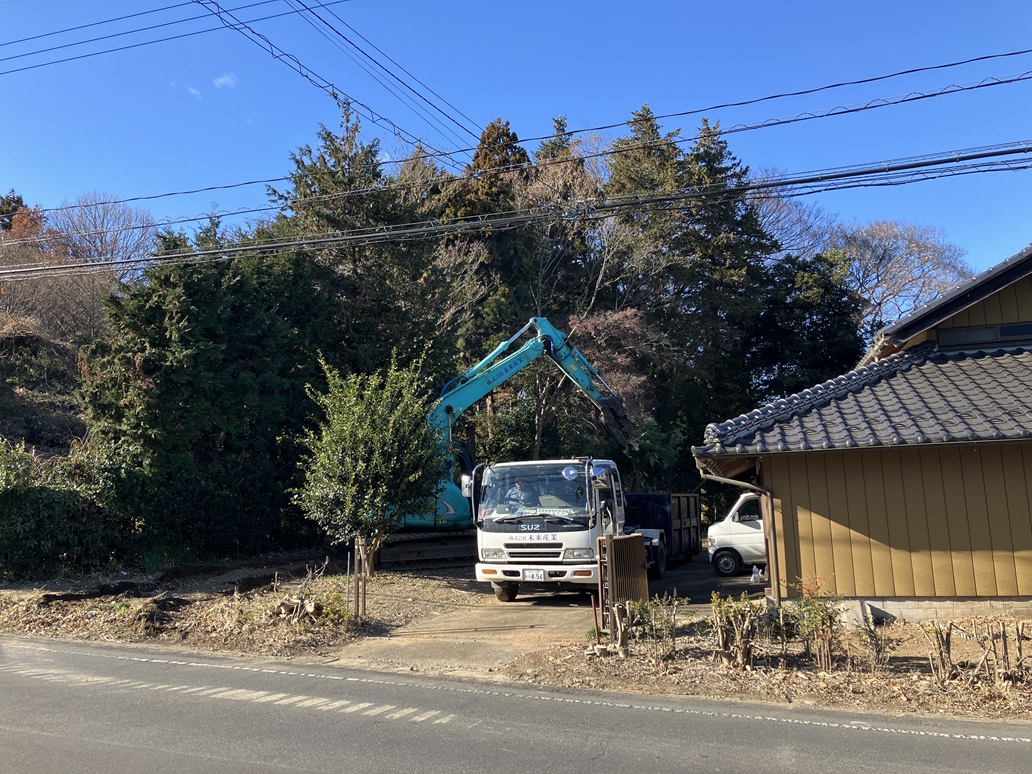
[215, 109]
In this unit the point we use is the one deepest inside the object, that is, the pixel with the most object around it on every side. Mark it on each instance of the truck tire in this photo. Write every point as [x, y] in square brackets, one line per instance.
[506, 592]
[727, 563]
[658, 568]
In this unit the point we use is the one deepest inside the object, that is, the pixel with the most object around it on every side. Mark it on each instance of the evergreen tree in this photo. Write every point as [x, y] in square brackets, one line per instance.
[197, 391]
[10, 203]
[339, 188]
[375, 456]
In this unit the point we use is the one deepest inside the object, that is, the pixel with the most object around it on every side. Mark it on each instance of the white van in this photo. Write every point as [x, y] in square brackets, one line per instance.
[738, 540]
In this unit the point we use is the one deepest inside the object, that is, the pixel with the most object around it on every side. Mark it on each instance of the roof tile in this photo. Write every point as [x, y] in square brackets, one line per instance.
[922, 395]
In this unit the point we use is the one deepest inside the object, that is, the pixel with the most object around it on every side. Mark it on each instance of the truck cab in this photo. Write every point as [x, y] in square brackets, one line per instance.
[738, 539]
[538, 523]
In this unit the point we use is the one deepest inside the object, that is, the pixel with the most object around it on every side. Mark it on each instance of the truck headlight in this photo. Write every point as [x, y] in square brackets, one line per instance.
[579, 555]
[493, 554]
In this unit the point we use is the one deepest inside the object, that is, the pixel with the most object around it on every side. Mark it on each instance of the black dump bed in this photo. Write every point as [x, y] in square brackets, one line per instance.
[678, 515]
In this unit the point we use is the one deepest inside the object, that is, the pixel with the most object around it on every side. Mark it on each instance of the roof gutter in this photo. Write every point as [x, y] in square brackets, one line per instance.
[732, 481]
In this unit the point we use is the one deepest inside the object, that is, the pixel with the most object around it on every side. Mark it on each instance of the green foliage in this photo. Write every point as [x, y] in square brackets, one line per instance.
[375, 456]
[508, 434]
[46, 526]
[806, 331]
[197, 394]
[10, 203]
[648, 468]
[38, 383]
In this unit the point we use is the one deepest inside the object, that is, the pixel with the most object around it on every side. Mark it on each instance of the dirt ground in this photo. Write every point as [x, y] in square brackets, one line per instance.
[443, 622]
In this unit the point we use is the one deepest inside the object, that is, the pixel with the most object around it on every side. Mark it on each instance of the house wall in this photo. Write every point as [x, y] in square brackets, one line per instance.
[1009, 305]
[915, 525]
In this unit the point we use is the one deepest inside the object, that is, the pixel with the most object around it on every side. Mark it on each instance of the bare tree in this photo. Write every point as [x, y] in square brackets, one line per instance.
[897, 267]
[97, 228]
[64, 296]
[801, 229]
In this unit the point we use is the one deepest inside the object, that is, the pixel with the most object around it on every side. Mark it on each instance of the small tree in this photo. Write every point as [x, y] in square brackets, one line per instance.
[375, 457]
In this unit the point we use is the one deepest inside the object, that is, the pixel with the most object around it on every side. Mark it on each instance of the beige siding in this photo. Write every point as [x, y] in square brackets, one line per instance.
[929, 522]
[1010, 305]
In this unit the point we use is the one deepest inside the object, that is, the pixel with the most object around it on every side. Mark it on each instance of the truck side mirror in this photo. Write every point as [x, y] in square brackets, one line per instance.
[467, 486]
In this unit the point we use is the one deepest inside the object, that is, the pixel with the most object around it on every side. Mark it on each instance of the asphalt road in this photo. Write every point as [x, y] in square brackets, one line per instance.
[87, 708]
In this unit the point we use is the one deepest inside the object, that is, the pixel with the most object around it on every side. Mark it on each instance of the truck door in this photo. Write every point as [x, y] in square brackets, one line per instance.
[610, 506]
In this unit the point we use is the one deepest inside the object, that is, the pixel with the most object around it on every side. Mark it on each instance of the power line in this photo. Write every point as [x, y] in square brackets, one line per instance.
[765, 124]
[773, 122]
[899, 172]
[336, 32]
[144, 43]
[124, 33]
[472, 123]
[98, 24]
[308, 9]
[694, 111]
[340, 97]
[826, 87]
[359, 57]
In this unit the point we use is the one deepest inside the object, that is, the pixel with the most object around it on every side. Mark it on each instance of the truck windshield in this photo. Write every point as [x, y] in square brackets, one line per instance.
[555, 490]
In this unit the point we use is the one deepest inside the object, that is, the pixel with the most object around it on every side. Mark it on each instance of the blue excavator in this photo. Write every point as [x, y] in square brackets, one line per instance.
[453, 509]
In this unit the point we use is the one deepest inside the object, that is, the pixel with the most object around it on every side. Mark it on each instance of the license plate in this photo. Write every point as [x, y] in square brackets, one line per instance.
[533, 575]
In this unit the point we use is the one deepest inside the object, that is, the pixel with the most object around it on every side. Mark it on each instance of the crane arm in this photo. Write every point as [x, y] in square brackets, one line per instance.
[465, 390]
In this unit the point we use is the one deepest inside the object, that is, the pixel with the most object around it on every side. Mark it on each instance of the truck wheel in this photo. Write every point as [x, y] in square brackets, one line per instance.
[506, 592]
[658, 568]
[727, 563]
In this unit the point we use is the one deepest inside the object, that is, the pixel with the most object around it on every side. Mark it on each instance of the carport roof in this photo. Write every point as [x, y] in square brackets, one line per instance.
[920, 396]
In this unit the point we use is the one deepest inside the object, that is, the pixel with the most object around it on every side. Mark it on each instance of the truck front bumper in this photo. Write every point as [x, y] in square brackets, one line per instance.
[539, 574]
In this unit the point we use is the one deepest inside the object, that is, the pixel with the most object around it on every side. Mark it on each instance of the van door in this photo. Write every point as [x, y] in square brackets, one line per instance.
[747, 532]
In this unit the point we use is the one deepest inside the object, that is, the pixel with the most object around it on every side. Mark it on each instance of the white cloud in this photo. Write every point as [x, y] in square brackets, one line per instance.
[225, 81]
[193, 92]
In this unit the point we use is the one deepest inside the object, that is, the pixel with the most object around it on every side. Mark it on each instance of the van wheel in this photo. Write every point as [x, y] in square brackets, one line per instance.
[506, 592]
[727, 563]
[658, 568]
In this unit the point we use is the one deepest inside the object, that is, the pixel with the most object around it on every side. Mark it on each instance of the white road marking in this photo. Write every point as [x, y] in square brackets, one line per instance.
[687, 712]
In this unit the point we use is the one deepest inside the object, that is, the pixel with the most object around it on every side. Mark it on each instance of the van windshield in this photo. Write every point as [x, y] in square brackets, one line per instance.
[558, 490]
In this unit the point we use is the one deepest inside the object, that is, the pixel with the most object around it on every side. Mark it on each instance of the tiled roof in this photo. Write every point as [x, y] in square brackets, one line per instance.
[921, 396]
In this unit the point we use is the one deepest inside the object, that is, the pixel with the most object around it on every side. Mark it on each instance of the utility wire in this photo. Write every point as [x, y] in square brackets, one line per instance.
[901, 172]
[694, 111]
[375, 61]
[766, 123]
[308, 9]
[477, 127]
[97, 24]
[125, 33]
[350, 50]
[144, 43]
[341, 98]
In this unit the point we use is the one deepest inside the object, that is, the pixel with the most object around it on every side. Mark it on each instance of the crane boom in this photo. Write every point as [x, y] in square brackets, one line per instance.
[498, 367]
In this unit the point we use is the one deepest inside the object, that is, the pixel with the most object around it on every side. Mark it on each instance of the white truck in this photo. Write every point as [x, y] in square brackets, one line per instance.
[538, 523]
[738, 539]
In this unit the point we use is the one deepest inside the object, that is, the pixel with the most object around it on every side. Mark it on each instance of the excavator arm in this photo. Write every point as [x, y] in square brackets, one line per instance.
[497, 368]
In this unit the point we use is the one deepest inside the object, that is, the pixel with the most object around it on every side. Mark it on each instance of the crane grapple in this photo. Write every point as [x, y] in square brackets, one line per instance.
[616, 421]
